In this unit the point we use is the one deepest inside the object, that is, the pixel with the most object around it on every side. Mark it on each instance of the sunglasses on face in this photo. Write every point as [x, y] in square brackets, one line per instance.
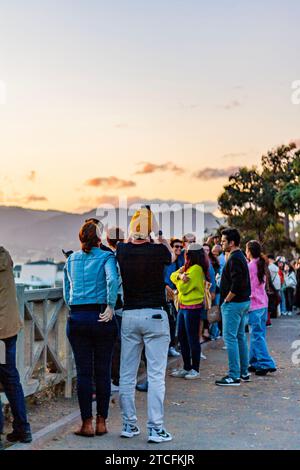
[178, 246]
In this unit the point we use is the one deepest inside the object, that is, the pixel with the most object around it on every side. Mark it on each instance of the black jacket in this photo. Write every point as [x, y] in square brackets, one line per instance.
[236, 278]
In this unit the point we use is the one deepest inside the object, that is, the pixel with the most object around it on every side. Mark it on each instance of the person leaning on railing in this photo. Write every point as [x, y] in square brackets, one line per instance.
[90, 290]
[10, 325]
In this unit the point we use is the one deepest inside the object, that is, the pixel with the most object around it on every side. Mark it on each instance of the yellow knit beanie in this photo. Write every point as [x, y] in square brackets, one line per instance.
[141, 224]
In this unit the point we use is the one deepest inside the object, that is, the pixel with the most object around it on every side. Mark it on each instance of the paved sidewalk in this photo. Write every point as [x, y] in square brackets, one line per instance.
[263, 414]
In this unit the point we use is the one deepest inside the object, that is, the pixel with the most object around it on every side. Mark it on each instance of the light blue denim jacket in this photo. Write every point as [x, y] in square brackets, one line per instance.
[91, 278]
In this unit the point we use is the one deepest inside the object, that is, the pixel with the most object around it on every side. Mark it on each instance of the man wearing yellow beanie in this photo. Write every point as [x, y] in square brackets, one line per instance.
[141, 224]
[144, 323]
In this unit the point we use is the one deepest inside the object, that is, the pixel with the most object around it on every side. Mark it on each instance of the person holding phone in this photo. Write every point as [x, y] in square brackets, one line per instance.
[144, 324]
[91, 284]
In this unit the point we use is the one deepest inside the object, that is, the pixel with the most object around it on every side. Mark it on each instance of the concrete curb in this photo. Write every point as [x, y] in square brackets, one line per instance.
[63, 425]
[46, 434]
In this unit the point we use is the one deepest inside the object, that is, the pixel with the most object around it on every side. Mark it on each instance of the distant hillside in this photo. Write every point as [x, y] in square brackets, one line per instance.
[33, 234]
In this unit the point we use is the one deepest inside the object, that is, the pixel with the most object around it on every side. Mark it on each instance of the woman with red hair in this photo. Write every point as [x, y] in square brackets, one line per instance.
[90, 291]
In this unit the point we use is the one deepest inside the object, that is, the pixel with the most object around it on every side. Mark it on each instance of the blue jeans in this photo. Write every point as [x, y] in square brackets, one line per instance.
[188, 336]
[92, 344]
[10, 379]
[235, 317]
[259, 354]
[282, 301]
[214, 329]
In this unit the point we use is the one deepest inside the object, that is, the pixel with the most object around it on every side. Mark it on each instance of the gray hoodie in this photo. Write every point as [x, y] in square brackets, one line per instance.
[274, 270]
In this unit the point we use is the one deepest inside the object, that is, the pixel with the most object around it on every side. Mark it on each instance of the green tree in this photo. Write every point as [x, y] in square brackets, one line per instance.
[260, 201]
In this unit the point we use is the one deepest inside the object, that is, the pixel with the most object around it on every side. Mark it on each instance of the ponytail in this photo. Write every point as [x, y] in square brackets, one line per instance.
[262, 264]
[262, 268]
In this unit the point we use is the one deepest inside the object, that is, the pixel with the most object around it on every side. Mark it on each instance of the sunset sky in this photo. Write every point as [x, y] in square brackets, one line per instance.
[157, 99]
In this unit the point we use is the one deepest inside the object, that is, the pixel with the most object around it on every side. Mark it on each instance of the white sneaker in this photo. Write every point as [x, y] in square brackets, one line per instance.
[203, 357]
[284, 314]
[158, 435]
[290, 314]
[180, 373]
[173, 352]
[225, 348]
[193, 374]
[130, 430]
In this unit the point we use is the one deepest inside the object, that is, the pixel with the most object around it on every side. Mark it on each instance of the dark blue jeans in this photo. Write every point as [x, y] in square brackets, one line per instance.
[10, 380]
[92, 343]
[188, 336]
[116, 357]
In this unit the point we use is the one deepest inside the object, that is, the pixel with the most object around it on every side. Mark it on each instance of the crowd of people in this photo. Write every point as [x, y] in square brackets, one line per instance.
[148, 299]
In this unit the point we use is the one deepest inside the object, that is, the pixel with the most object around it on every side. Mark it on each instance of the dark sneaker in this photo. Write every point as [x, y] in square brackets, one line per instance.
[228, 382]
[261, 372]
[143, 387]
[245, 378]
[251, 369]
[272, 370]
[158, 435]
[20, 436]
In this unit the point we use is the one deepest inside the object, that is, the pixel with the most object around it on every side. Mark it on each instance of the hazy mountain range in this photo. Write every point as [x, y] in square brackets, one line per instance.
[34, 234]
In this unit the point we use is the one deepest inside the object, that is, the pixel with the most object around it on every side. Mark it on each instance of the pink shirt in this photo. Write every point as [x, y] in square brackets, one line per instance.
[258, 297]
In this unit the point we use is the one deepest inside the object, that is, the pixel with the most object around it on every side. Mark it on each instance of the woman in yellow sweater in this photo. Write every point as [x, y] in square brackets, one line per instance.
[190, 283]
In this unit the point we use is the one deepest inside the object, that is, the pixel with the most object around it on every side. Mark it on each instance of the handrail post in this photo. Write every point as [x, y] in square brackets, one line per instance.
[69, 365]
[21, 335]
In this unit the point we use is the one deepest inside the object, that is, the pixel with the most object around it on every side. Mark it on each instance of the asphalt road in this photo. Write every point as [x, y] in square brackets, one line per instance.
[263, 414]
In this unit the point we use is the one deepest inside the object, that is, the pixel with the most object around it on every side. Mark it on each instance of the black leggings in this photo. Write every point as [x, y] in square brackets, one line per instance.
[289, 298]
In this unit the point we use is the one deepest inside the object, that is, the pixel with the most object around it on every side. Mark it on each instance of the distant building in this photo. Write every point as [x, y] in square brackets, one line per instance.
[39, 274]
[17, 271]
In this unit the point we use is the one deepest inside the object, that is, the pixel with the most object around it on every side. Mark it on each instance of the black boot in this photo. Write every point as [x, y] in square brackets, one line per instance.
[20, 436]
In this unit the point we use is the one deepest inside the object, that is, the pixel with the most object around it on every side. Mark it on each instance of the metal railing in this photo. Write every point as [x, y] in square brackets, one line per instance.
[44, 356]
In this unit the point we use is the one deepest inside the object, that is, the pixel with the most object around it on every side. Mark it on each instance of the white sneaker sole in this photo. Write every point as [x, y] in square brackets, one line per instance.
[192, 377]
[180, 376]
[157, 440]
[228, 385]
[129, 435]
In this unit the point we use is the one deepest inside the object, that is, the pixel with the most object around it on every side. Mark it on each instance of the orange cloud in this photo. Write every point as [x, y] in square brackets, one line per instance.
[214, 173]
[111, 182]
[35, 198]
[152, 167]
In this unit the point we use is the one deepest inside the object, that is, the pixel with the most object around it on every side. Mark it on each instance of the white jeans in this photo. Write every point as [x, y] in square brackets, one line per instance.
[140, 329]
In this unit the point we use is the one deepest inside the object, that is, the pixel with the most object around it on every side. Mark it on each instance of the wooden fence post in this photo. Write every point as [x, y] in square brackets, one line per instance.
[21, 335]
